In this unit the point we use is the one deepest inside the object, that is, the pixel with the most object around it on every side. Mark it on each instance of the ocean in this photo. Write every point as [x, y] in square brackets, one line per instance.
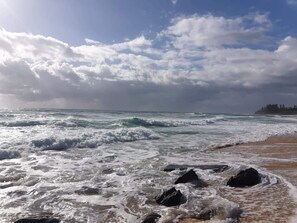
[107, 166]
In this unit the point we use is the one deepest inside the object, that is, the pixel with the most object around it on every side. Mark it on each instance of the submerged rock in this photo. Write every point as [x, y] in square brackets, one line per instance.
[151, 218]
[191, 177]
[172, 167]
[215, 168]
[171, 197]
[235, 213]
[207, 214]
[107, 171]
[38, 220]
[88, 191]
[245, 178]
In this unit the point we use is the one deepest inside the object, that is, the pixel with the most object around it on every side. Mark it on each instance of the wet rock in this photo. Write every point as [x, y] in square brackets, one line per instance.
[88, 191]
[151, 218]
[207, 214]
[107, 171]
[38, 220]
[215, 168]
[245, 178]
[172, 167]
[235, 213]
[191, 177]
[171, 197]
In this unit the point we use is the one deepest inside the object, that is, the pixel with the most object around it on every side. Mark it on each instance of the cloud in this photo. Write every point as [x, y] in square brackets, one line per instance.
[174, 2]
[91, 41]
[209, 30]
[197, 62]
[136, 45]
[292, 2]
[16, 78]
[31, 47]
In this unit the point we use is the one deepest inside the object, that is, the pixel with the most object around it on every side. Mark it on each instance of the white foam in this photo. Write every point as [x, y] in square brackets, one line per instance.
[125, 163]
[95, 139]
[170, 122]
[293, 193]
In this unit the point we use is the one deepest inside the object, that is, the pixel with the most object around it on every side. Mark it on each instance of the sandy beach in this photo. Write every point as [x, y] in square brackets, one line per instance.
[277, 155]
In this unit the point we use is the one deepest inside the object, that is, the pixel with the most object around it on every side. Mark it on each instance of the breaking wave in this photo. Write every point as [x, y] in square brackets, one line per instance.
[4, 154]
[23, 123]
[133, 122]
[96, 139]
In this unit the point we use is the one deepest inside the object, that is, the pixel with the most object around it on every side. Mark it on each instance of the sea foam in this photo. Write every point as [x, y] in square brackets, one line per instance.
[122, 155]
[95, 139]
[168, 123]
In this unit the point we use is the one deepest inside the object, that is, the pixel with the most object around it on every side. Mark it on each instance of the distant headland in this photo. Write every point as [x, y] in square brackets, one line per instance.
[278, 110]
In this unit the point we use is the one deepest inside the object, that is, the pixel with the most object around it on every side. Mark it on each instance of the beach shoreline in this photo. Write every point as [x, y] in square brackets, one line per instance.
[277, 155]
[75, 166]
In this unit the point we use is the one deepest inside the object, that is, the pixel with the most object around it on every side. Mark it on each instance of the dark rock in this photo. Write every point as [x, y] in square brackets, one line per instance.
[191, 177]
[235, 213]
[215, 168]
[245, 178]
[38, 220]
[107, 171]
[172, 167]
[226, 146]
[151, 218]
[88, 191]
[171, 197]
[206, 214]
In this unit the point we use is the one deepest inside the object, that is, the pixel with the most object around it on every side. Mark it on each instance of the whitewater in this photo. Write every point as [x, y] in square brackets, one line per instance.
[105, 166]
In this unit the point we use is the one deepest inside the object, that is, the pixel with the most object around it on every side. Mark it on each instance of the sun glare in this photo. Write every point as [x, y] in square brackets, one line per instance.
[3, 4]
[7, 7]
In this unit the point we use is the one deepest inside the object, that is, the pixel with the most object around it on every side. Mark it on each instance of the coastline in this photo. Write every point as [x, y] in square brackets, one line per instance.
[276, 155]
[76, 166]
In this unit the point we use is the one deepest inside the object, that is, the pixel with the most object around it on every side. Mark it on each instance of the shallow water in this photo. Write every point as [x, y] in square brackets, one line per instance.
[91, 166]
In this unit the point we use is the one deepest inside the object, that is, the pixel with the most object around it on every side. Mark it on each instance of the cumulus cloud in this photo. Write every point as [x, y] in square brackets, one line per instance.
[190, 65]
[91, 41]
[209, 30]
[31, 47]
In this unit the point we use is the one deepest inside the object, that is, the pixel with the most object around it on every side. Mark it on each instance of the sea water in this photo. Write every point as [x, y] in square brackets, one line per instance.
[99, 166]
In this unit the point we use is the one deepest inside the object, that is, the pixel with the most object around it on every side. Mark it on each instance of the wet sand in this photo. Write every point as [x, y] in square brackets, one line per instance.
[277, 155]
[274, 203]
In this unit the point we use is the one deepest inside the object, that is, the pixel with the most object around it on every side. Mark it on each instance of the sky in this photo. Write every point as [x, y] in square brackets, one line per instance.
[231, 56]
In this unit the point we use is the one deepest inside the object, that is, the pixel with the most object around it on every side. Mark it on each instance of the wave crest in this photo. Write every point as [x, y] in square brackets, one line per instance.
[5, 154]
[132, 122]
[23, 123]
[96, 139]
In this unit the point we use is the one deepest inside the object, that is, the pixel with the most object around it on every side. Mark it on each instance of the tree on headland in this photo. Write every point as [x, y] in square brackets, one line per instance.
[278, 109]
